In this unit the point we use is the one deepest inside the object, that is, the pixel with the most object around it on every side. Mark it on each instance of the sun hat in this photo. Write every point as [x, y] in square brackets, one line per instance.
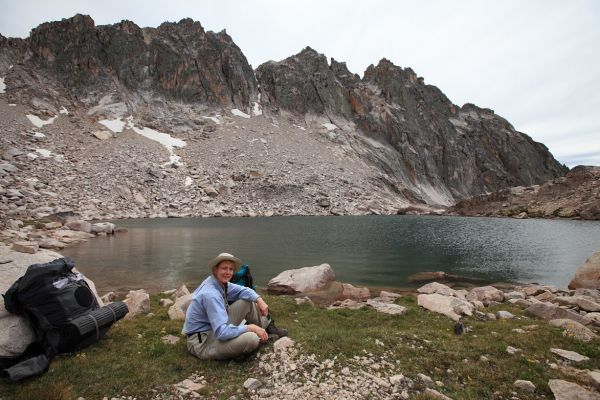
[224, 257]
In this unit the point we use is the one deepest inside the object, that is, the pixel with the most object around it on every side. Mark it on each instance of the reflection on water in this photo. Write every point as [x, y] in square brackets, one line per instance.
[367, 250]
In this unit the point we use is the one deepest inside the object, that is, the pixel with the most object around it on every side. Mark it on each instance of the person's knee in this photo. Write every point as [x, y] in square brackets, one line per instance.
[251, 342]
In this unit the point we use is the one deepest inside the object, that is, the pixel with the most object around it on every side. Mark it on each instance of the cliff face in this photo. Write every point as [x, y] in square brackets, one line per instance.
[176, 61]
[444, 151]
[407, 142]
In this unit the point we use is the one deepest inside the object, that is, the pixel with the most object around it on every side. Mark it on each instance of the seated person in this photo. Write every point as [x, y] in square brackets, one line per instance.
[214, 327]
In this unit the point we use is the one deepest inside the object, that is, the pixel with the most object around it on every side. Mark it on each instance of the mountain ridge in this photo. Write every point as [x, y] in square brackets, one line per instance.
[399, 141]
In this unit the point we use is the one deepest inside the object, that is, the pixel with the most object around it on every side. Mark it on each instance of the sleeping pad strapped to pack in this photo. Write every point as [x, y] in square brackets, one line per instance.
[62, 311]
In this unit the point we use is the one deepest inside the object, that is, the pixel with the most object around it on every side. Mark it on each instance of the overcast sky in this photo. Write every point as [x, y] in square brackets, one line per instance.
[536, 63]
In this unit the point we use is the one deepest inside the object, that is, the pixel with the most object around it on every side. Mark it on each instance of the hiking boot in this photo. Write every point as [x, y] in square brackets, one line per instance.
[275, 332]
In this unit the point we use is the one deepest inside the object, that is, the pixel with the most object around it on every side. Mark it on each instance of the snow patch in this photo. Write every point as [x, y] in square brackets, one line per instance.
[213, 119]
[63, 110]
[163, 138]
[12, 105]
[188, 180]
[239, 113]
[48, 154]
[330, 127]
[39, 135]
[256, 109]
[115, 125]
[2, 85]
[37, 121]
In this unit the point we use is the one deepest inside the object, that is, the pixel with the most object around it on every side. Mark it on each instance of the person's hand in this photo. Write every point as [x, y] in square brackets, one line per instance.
[260, 332]
[263, 308]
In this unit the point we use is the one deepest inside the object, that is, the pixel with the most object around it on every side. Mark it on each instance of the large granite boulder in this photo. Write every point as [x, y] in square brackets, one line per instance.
[15, 331]
[302, 280]
[588, 275]
[450, 306]
[438, 288]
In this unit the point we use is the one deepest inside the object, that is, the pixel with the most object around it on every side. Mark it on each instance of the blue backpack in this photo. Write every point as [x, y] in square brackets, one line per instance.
[243, 277]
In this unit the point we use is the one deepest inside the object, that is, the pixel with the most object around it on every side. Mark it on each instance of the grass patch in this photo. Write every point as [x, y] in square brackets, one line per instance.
[131, 359]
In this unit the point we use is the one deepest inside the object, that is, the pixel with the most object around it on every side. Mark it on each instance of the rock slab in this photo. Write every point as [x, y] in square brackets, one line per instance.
[302, 280]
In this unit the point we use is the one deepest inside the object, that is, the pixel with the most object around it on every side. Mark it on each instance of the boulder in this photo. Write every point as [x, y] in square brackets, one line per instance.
[138, 302]
[588, 275]
[109, 297]
[591, 293]
[549, 311]
[574, 329]
[181, 291]
[514, 295]
[569, 355]
[593, 317]
[354, 293]
[564, 390]
[26, 247]
[388, 297]
[387, 308]
[532, 290]
[546, 296]
[79, 225]
[452, 307]
[178, 310]
[525, 386]
[103, 227]
[438, 288]
[348, 303]
[485, 294]
[302, 280]
[587, 304]
[52, 244]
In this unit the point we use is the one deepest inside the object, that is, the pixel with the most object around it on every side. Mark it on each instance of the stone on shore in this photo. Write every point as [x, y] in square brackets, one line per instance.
[438, 288]
[181, 291]
[103, 228]
[387, 308]
[80, 226]
[587, 304]
[574, 329]
[178, 309]
[485, 294]
[564, 390]
[351, 292]
[452, 307]
[138, 302]
[26, 247]
[588, 275]
[302, 280]
[388, 297]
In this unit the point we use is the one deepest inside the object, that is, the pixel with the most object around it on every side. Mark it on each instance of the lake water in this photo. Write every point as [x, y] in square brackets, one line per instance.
[158, 254]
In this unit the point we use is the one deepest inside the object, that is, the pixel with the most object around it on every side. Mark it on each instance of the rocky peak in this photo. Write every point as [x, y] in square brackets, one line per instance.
[177, 61]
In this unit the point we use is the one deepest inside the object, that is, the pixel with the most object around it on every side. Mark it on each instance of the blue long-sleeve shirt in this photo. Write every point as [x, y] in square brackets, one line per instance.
[207, 310]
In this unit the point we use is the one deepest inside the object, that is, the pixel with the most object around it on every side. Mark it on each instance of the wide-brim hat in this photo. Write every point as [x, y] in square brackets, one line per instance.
[224, 257]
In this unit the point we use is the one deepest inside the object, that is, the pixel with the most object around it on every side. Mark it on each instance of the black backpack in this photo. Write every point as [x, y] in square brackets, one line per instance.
[62, 311]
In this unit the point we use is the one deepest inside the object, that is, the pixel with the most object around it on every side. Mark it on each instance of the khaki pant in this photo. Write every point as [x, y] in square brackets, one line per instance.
[212, 349]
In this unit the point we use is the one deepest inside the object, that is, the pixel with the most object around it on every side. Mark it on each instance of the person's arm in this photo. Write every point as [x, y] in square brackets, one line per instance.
[217, 315]
[236, 292]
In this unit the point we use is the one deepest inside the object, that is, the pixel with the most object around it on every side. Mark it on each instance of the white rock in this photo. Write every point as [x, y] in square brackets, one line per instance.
[165, 302]
[485, 294]
[569, 355]
[103, 227]
[526, 386]
[178, 309]
[252, 384]
[138, 302]
[283, 343]
[301, 280]
[452, 307]
[504, 315]
[26, 247]
[438, 288]
[387, 308]
[574, 329]
[564, 390]
[512, 350]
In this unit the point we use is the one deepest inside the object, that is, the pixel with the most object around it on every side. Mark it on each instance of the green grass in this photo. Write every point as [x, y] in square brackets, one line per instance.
[132, 360]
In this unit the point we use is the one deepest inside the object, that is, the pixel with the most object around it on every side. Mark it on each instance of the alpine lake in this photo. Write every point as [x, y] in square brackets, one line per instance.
[373, 251]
